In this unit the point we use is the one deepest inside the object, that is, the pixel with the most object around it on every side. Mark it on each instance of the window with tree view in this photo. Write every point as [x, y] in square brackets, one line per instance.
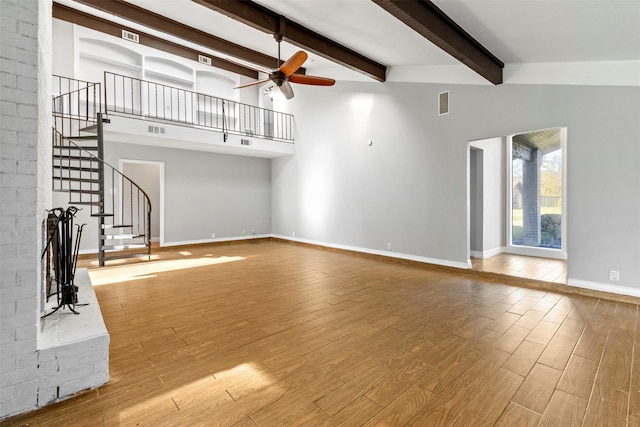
[536, 178]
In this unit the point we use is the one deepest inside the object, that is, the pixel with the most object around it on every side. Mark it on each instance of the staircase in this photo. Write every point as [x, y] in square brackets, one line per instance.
[122, 209]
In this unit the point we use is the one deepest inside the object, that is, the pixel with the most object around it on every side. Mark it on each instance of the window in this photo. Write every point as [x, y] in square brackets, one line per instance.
[536, 211]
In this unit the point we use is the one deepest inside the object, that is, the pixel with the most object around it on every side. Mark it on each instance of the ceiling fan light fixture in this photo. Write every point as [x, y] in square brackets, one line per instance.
[274, 93]
[284, 74]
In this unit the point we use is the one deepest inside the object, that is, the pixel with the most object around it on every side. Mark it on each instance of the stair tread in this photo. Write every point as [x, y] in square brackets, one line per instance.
[76, 179]
[81, 137]
[78, 191]
[75, 168]
[102, 214]
[123, 247]
[75, 147]
[86, 203]
[120, 236]
[110, 226]
[87, 158]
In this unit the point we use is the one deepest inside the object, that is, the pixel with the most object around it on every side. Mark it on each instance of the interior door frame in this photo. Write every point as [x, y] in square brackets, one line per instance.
[122, 162]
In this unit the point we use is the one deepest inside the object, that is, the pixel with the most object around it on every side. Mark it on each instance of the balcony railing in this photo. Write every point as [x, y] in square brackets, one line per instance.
[157, 101]
[75, 99]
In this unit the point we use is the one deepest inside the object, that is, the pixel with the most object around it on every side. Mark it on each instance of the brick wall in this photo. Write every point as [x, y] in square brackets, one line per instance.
[39, 363]
[25, 183]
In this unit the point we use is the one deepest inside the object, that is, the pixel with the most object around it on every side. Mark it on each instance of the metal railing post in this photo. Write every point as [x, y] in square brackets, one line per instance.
[206, 110]
[101, 190]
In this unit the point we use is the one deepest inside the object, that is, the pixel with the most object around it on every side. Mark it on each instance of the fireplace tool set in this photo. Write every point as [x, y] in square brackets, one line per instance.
[61, 256]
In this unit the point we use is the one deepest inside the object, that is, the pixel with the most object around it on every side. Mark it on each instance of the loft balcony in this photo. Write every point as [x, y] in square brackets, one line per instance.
[149, 113]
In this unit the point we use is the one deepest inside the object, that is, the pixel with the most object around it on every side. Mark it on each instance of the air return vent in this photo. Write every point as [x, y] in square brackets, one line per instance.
[245, 141]
[132, 37]
[155, 129]
[204, 59]
[443, 103]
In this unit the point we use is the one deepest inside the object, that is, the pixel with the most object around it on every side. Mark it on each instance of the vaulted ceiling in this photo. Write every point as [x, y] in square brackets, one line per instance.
[516, 32]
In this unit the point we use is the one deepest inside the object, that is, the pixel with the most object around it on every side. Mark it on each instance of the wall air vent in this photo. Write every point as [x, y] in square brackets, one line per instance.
[155, 129]
[245, 141]
[204, 59]
[443, 103]
[132, 37]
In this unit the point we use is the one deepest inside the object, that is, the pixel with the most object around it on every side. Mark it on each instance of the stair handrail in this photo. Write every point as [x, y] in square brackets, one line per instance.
[72, 111]
[93, 157]
[92, 98]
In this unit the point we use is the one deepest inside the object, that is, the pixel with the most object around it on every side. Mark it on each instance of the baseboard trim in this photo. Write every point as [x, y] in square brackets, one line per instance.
[604, 287]
[538, 252]
[217, 240]
[573, 286]
[487, 254]
[375, 252]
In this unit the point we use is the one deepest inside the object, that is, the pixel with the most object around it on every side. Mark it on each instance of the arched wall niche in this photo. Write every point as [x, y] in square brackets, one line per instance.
[98, 56]
[215, 84]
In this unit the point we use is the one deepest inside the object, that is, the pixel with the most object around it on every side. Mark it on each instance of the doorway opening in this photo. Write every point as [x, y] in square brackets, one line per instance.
[491, 213]
[149, 175]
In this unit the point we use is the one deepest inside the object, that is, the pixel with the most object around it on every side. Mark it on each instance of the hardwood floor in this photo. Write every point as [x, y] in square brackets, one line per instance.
[544, 269]
[274, 334]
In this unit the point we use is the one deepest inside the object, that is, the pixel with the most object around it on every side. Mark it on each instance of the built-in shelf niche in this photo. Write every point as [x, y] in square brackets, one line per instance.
[166, 71]
[97, 56]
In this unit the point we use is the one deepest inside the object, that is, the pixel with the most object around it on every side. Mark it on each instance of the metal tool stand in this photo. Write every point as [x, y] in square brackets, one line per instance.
[62, 256]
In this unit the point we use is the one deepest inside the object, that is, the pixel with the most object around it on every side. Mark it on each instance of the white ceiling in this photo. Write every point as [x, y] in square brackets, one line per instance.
[516, 31]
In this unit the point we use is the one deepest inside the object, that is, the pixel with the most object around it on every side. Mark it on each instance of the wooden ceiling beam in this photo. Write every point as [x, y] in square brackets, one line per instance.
[263, 19]
[432, 23]
[98, 24]
[158, 22]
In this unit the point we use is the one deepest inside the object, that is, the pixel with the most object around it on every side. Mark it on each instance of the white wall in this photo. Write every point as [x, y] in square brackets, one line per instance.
[410, 187]
[492, 191]
[63, 57]
[25, 182]
[85, 54]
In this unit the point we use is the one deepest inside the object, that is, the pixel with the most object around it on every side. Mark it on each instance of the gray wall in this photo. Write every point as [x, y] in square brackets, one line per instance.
[147, 176]
[410, 187]
[207, 192]
[475, 200]
[204, 193]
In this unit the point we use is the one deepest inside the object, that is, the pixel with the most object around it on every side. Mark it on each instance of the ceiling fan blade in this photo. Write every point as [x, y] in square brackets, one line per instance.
[311, 80]
[286, 90]
[252, 84]
[292, 64]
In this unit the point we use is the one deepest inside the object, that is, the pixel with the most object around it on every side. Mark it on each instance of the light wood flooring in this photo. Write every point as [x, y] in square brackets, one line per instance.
[544, 269]
[276, 334]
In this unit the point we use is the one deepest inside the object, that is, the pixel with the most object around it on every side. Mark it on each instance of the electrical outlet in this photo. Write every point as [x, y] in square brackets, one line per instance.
[213, 235]
[244, 232]
[614, 275]
[293, 234]
[253, 232]
[389, 246]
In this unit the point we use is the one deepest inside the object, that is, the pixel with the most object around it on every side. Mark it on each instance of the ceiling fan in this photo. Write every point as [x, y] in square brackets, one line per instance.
[284, 74]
